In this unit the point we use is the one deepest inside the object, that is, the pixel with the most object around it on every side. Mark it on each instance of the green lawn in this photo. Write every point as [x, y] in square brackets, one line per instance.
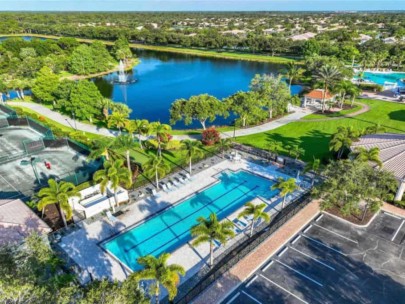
[314, 137]
[335, 114]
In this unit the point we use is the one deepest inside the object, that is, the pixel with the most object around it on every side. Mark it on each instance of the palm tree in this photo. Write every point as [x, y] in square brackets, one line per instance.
[292, 72]
[106, 104]
[374, 129]
[156, 166]
[256, 212]
[104, 148]
[354, 92]
[193, 148]
[161, 133]
[327, 74]
[342, 140]
[343, 88]
[157, 270]
[274, 147]
[142, 128]
[58, 193]
[125, 142]
[113, 175]
[210, 230]
[313, 166]
[371, 155]
[286, 187]
[224, 144]
[117, 120]
[129, 125]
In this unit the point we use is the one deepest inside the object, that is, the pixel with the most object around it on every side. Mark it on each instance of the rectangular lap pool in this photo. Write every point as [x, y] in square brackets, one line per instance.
[170, 229]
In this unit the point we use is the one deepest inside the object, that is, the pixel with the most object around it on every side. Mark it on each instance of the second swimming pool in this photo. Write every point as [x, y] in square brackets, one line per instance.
[170, 229]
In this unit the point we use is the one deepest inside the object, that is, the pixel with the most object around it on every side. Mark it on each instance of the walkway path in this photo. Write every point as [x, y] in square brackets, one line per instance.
[67, 121]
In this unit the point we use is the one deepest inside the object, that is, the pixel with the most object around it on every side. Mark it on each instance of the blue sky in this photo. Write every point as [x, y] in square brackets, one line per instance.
[200, 5]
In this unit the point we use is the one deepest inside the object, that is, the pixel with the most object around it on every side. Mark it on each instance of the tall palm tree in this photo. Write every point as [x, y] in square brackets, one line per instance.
[327, 75]
[193, 148]
[293, 71]
[58, 193]
[256, 212]
[210, 230]
[125, 142]
[161, 131]
[129, 125]
[224, 144]
[342, 140]
[157, 167]
[354, 92]
[343, 88]
[113, 174]
[371, 155]
[157, 270]
[313, 166]
[106, 104]
[141, 128]
[286, 187]
[104, 148]
[117, 119]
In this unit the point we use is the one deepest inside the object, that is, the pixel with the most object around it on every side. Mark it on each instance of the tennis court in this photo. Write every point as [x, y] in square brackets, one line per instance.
[12, 140]
[24, 175]
[331, 261]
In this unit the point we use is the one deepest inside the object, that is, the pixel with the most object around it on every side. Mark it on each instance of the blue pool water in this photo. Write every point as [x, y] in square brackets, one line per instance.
[169, 230]
[382, 78]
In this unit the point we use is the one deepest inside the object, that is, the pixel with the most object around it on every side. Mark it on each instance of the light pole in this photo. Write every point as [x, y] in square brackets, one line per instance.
[234, 129]
[74, 119]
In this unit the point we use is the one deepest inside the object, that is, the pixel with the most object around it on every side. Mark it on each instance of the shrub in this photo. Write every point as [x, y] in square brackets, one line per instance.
[210, 136]
[370, 87]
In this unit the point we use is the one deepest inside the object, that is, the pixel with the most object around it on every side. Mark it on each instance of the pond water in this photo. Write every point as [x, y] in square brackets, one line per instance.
[161, 78]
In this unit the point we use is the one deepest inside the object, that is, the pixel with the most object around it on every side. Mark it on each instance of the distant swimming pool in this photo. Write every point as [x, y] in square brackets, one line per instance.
[169, 230]
[383, 78]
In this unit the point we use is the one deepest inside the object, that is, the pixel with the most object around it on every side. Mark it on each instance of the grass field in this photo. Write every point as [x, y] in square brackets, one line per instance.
[314, 137]
[335, 114]
[181, 50]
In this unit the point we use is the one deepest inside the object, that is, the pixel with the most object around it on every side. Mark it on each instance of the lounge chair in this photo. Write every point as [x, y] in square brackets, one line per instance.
[169, 186]
[141, 194]
[176, 183]
[165, 188]
[182, 180]
[111, 217]
[188, 176]
[154, 192]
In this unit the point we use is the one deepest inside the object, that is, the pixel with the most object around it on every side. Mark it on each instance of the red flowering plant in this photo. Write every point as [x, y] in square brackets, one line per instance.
[210, 136]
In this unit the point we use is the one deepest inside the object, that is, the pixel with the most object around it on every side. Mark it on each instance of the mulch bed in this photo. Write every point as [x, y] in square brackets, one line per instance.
[338, 109]
[355, 219]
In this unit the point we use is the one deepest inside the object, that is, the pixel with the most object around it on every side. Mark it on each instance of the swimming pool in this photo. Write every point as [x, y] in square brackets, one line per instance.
[170, 229]
[383, 78]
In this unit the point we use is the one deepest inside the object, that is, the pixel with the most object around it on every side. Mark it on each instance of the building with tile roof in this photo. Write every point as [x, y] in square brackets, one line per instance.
[392, 155]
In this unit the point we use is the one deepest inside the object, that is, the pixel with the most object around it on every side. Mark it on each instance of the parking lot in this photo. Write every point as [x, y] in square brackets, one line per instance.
[331, 261]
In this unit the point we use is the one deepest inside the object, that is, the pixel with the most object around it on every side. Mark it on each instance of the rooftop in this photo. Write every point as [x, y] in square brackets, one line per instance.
[318, 94]
[392, 150]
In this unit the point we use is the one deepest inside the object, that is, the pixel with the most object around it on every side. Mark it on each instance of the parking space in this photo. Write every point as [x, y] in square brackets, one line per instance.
[331, 261]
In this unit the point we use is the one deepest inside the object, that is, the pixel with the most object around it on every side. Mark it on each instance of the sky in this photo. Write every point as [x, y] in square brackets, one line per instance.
[201, 5]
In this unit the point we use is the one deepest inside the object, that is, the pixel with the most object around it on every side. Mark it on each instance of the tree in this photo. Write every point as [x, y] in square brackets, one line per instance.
[311, 47]
[256, 212]
[59, 194]
[112, 176]
[157, 270]
[273, 91]
[245, 105]
[121, 49]
[354, 92]
[371, 155]
[106, 105]
[344, 87]
[286, 187]
[45, 85]
[292, 72]
[313, 167]
[274, 147]
[224, 144]
[327, 75]
[125, 142]
[140, 126]
[103, 148]
[84, 100]
[211, 230]
[161, 134]
[157, 167]
[193, 149]
[342, 140]
[117, 120]
[201, 107]
[295, 151]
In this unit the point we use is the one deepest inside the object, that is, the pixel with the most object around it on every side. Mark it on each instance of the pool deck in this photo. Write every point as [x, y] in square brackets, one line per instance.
[83, 245]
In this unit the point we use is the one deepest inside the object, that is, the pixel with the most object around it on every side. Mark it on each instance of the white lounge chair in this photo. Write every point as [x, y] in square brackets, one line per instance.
[176, 183]
[182, 180]
[188, 176]
[165, 188]
[111, 217]
[154, 192]
[170, 186]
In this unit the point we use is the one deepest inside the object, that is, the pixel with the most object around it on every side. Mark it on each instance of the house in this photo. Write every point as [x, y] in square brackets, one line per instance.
[17, 221]
[235, 32]
[315, 97]
[269, 31]
[390, 40]
[304, 36]
[392, 155]
[93, 201]
[364, 38]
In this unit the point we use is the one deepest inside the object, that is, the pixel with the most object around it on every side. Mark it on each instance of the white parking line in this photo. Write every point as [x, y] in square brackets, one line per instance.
[267, 266]
[338, 251]
[282, 252]
[233, 298]
[392, 215]
[251, 281]
[306, 229]
[319, 217]
[399, 228]
[253, 298]
[287, 291]
[300, 273]
[316, 260]
[338, 234]
[296, 239]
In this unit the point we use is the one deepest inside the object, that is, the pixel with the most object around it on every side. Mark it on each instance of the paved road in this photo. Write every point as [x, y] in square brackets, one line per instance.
[67, 121]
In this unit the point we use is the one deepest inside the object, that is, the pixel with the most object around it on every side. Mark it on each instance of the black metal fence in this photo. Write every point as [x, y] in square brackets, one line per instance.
[35, 125]
[243, 248]
[9, 111]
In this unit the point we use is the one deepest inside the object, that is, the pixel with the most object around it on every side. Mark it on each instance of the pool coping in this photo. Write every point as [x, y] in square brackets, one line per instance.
[126, 229]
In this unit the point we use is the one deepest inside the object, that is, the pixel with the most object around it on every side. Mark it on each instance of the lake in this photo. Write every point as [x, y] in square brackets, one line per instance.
[164, 77]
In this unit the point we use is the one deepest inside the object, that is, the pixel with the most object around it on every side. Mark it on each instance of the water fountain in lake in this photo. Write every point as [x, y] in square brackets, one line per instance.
[123, 77]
